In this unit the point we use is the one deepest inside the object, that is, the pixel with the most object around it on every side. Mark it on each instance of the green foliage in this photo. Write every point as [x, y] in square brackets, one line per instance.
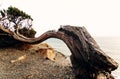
[2, 13]
[28, 33]
[15, 12]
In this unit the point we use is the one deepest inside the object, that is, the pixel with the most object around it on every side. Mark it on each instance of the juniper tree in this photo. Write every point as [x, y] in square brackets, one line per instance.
[17, 20]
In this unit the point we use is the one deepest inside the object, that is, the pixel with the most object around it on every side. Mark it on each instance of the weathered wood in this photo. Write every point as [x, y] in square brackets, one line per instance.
[87, 59]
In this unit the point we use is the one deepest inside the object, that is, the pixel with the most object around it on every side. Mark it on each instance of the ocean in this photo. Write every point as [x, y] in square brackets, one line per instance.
[110, 45]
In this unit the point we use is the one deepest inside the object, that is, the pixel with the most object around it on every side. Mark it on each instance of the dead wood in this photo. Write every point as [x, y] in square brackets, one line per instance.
[87, 59]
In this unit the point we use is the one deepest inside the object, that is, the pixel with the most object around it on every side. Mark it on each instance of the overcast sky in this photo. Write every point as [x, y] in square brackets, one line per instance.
[100, 17]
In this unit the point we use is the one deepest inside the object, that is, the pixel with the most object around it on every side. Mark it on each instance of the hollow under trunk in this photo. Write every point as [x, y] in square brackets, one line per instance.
[88, 60]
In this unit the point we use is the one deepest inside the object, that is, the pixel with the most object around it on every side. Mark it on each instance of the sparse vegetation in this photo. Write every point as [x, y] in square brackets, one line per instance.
[16, 21]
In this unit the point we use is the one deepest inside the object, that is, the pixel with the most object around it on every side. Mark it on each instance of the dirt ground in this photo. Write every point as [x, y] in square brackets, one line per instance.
[33, 66]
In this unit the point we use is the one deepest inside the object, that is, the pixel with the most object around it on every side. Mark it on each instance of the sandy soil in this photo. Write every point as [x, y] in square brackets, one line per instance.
[33, 66]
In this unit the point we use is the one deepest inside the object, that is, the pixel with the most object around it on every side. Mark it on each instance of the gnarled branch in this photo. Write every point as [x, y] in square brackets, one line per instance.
[88, 60]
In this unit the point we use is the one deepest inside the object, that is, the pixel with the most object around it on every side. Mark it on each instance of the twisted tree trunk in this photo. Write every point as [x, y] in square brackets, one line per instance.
[88, 60]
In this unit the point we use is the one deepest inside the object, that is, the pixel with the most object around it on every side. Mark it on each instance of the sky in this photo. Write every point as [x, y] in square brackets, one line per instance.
[100, 17]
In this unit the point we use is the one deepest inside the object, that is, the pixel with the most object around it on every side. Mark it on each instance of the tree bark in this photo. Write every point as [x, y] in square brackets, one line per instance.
[88, 60]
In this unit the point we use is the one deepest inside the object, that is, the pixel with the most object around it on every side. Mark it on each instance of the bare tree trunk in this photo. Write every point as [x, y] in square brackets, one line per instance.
[88, 60]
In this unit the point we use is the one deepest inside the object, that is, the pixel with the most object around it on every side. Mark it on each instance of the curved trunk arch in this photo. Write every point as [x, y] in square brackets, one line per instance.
[87, 59]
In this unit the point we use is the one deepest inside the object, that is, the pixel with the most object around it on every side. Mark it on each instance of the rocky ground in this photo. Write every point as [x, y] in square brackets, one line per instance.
[33, 66]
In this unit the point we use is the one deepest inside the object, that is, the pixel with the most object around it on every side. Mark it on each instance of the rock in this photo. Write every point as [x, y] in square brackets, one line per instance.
[34, 67]
[101, 76]
[19, 59]
[47, 51]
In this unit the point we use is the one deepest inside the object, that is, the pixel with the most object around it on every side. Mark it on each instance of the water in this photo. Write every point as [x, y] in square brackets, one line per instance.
[59, 46]
[110, 45]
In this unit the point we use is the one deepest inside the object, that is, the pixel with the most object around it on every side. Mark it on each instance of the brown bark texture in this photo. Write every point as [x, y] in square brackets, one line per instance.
[88, 60]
